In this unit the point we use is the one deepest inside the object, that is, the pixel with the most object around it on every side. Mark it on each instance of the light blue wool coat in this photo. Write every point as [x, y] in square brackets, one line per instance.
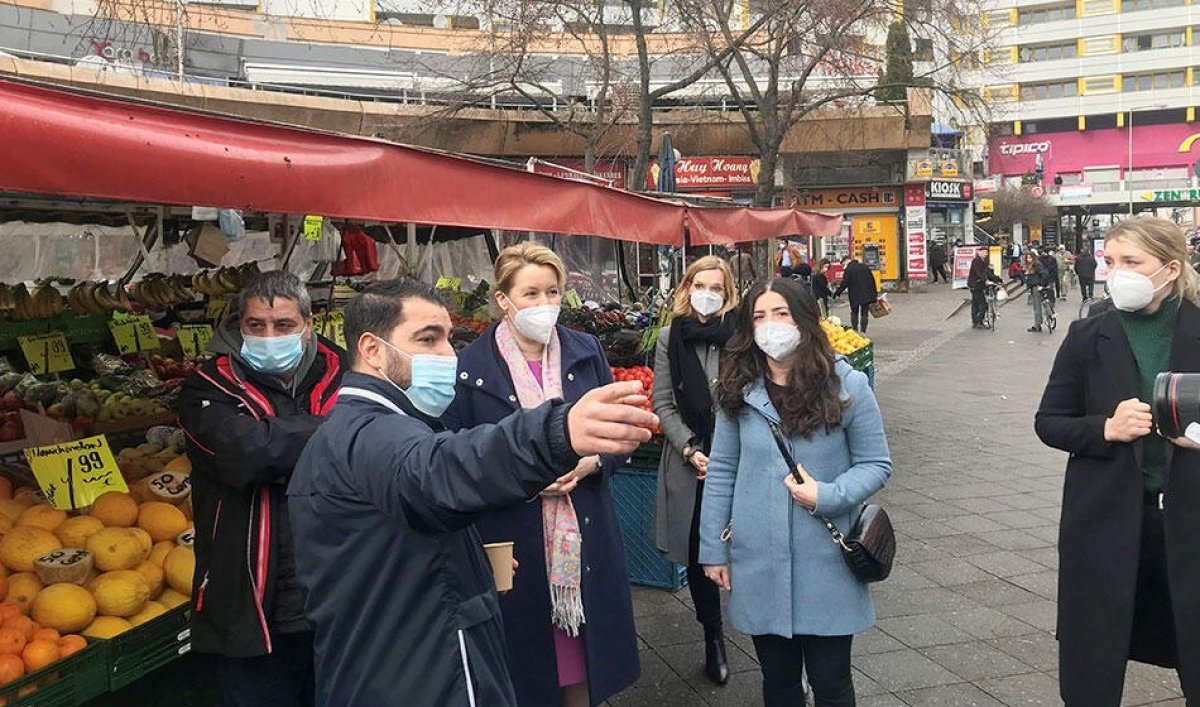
[787, 575]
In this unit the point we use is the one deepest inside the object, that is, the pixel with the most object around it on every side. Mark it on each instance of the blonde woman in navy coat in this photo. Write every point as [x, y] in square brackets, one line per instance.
[791, 590]
[568, 620]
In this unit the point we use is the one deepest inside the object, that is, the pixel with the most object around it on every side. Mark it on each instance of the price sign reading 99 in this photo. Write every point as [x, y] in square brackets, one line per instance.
[74, 474]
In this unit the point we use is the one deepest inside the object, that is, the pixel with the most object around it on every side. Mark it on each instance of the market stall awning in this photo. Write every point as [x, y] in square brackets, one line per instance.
[69, 144]
[719, 226]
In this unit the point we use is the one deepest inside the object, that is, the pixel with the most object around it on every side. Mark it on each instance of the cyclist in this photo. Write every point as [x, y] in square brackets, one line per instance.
[980, 274]
[1041, 286]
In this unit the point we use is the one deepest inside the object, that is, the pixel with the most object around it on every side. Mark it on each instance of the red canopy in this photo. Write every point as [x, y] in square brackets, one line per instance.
[69, 144]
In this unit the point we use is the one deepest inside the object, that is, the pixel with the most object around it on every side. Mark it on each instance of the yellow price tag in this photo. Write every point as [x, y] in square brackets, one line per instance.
[313, 226]
[74, 474]
[217, 308]
[47, 353]
[134, 334]
[448, 283]
[331, 326]
[194, 338]
[571, 298]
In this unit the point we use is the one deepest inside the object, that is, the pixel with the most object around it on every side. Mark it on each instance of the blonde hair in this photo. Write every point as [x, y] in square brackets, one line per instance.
[515, 257]
[683, 295]
[1164, 240]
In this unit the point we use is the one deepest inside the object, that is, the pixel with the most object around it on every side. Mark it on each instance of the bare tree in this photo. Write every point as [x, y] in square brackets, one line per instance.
[1016, 205]
[811, 55]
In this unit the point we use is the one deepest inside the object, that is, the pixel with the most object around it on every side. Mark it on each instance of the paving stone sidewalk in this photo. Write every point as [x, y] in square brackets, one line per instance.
[967, 617]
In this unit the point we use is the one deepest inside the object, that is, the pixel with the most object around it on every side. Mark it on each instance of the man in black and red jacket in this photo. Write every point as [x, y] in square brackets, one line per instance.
[248, 414]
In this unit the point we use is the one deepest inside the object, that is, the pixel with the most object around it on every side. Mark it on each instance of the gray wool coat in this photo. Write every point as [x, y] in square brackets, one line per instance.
[676, 495]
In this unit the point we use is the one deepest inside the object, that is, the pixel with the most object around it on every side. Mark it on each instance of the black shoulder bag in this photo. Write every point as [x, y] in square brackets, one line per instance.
[871, 545]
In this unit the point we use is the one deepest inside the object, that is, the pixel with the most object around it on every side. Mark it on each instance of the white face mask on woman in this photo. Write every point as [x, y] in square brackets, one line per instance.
[706, 303]
[776, 339]
[1132, 291]
[538, 322]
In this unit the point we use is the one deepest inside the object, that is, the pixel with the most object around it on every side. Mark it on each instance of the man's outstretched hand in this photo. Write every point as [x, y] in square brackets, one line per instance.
[608, 420]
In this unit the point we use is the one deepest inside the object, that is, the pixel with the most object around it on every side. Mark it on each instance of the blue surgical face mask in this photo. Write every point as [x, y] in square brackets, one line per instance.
[433, 379]
[273, 354]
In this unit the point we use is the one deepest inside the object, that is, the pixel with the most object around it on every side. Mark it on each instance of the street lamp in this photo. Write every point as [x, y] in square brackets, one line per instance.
[1129, 165]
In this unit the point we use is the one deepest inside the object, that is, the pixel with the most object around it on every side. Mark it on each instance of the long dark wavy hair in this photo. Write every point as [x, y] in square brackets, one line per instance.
[813, 388]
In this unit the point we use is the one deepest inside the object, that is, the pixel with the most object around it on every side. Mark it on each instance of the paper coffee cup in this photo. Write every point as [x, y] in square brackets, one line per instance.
[501, 557]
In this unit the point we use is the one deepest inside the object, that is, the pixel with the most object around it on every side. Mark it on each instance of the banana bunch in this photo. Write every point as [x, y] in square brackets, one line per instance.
[20, 305]
[96, 298]
[224, 281]
[158, 291]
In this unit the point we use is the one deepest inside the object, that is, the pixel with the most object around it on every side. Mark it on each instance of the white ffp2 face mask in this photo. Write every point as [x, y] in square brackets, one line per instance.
[776, 339]
[706, 303]
[538, 323]
[1132, 291]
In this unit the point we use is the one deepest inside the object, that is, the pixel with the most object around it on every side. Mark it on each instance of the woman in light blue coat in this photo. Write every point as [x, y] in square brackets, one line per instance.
[791, 589]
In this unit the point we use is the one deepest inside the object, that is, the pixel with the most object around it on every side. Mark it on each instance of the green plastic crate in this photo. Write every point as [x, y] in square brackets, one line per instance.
[136, 653]
[633, 495]
[648, 455]
[70, 682]
[863, 358]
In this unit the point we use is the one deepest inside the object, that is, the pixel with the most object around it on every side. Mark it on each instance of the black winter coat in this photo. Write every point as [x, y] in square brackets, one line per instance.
[1102, 511]
[981, 272]
[485, 394]
[400, 591]
[860, 281]
[245, 433]
[1085, 266]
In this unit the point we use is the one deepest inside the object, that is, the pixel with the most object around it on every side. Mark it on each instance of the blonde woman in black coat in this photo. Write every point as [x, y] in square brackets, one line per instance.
[1129, 582]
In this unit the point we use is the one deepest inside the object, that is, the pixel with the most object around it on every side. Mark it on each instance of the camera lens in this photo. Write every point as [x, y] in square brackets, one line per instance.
[1176, 402]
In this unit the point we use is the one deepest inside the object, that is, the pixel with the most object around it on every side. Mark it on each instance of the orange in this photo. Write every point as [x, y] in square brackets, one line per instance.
[11, 668]
[70, 644]
[12, 641]
[39, 654]
[115, 510]
[162, 521]
[46, 634]
[24, 624]
[8, 610]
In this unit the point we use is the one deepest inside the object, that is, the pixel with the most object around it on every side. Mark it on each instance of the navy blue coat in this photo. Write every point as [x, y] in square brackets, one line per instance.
[400, 592]
[486, 394]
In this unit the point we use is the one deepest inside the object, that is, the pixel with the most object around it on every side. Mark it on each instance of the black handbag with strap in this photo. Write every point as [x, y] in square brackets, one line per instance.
[870, 547]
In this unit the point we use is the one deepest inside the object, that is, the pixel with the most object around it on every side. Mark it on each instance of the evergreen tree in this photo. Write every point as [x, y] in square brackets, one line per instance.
[898, 70]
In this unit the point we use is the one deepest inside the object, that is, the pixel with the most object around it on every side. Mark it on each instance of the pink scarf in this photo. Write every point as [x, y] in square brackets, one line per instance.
[560, 525]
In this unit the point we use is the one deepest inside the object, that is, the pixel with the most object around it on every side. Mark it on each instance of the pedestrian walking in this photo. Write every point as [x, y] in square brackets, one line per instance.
[383, 503]
[860, 281]
[1038, 275]
[1129, 585]
[791, 589]
[937, 262]
[571, 601]
[686, 365]
[788, 257]
[820, 287]
[248, 413]
[1062, 262]
[978, 278]
[1085, 270]
[742, 265]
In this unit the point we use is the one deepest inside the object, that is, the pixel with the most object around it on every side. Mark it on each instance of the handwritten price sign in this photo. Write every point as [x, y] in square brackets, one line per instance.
[74, 474]
[194, 338]
[331, 326]
[313, 227]
[134, 334]
[47, 353]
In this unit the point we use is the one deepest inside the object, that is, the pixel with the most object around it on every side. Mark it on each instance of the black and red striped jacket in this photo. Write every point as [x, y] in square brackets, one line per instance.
[245, 432]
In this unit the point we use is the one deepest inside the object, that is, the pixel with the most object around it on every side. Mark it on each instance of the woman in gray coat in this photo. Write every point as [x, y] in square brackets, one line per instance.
[685, 367]
[791, 588]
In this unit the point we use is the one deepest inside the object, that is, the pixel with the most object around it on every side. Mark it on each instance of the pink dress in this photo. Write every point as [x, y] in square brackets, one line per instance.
[572, 662]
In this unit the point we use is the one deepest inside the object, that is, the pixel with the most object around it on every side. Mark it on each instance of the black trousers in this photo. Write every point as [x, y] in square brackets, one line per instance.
[1087, 287]
[285, 678]
[937, 272]
[706, 595]
[859, 316]
[826, 658]
[978, 307]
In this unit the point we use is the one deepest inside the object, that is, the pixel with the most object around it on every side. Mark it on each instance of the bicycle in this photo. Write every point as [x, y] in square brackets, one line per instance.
[1049, 321]
[993, 306]
[1086, 306]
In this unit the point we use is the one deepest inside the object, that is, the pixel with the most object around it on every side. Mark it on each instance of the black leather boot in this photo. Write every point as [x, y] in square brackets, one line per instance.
[716, 666]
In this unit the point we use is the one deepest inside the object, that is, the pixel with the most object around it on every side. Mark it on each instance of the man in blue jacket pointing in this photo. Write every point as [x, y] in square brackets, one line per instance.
[400, 591]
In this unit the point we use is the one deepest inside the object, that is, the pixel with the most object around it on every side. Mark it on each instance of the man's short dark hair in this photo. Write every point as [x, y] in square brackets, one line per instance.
[379, 309]
[277, 284]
